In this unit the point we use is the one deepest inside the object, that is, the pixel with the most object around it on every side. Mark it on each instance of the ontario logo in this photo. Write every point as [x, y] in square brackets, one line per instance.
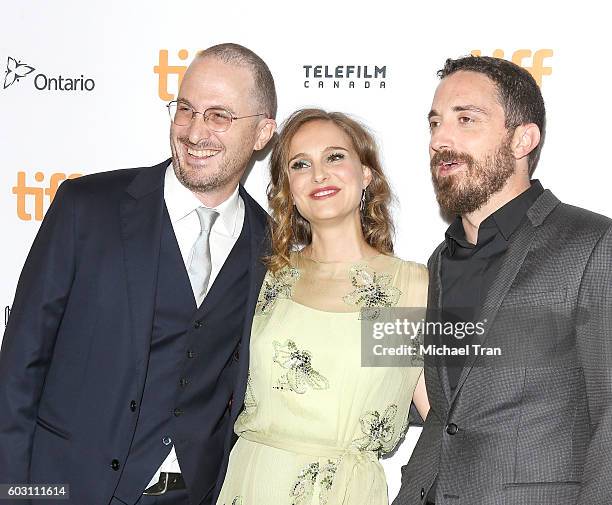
[16, 70]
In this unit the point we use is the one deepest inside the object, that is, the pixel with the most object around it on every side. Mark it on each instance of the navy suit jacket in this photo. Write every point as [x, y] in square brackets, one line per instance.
[74, 353]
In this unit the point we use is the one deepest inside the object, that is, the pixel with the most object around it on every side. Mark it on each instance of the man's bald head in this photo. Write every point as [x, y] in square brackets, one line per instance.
[264, 91]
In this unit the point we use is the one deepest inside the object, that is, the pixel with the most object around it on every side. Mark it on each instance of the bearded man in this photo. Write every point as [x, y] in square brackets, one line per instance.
[531, 424]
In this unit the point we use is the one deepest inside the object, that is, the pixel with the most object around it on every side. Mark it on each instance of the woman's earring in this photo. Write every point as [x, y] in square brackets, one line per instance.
[363, 197]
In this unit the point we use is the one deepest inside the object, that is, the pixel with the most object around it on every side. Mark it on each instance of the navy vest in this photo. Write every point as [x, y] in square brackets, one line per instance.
[191, 371]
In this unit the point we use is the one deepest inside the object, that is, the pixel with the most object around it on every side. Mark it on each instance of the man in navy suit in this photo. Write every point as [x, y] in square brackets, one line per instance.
[124, 363]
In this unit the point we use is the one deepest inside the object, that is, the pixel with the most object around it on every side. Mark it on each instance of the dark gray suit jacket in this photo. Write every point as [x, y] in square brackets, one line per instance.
[537, 428]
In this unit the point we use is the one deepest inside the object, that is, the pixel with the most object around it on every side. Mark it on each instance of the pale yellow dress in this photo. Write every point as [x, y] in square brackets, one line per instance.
[315, 422]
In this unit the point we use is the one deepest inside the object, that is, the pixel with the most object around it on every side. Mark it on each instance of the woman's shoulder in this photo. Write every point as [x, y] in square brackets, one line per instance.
[409, 268]
[412, 279]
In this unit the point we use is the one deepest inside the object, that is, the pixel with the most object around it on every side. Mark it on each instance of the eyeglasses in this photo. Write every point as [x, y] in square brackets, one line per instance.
[217, 119]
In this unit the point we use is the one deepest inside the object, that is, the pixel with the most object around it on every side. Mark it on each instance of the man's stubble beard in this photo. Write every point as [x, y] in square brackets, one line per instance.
[200, 180]
[464, 193]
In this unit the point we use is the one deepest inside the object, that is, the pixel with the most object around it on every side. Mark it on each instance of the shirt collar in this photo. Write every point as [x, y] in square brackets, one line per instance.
[506, 219]
[455, 235]
[181, 202]
[509, 217]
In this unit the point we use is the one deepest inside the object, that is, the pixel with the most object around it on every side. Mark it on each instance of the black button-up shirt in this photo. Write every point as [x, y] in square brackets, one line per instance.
[468, 270]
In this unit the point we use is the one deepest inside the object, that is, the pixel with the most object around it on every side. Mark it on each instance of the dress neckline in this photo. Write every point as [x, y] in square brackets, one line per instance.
[365, 259]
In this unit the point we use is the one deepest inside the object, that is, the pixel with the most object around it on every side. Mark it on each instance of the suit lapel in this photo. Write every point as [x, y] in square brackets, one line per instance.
[519, 246]
[257, 271]
[141, 211]
[513, 259]
[434, 303]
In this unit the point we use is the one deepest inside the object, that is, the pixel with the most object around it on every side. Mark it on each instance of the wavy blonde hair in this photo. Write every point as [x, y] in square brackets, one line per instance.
[288, 229]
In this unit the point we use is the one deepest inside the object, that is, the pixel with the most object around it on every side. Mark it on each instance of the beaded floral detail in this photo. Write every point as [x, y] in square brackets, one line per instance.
[300, 375]
[378, 431]
[372, 291]
[275, 286]
[303, 488]
[237, 500]
[327, 479]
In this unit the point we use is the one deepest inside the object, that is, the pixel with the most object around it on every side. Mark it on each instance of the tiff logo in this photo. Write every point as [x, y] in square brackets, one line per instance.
[537, 68]
[164, 70]
[36, 193]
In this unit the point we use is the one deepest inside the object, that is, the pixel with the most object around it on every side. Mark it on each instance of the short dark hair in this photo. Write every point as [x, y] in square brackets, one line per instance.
[235, 54]
[517, 90]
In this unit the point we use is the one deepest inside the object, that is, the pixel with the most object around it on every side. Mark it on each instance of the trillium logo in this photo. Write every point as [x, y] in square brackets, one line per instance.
[15, 70]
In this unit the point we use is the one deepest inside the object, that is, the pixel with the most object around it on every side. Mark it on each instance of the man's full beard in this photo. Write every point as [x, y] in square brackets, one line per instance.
[467, 191]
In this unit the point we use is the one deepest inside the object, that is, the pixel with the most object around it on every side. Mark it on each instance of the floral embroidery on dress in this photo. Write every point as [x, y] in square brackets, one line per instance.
[250, 403]
[304, 486]
[327, 479]
[275, 286]
[378, 430]
[300, 374]
[372, 291]
[301, 492]
[249, 397]
[237, 500]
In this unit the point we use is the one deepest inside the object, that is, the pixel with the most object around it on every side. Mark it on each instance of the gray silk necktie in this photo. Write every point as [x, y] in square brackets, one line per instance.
[200, 265]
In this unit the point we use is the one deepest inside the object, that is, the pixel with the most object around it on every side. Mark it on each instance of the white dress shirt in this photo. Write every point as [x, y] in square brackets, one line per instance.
[181, 204]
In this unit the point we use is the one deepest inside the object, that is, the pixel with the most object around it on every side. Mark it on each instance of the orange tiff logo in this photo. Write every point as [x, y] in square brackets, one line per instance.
[537, 68]
[163, 69]
[36, 193]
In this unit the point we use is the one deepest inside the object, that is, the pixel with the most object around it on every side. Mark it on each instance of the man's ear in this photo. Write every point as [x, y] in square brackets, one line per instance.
[266, 129]
[525, 139]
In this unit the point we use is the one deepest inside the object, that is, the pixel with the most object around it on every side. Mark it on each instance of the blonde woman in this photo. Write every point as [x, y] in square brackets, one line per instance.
[315, 422]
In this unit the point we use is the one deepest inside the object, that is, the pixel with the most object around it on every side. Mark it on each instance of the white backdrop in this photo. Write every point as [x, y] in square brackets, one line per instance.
[114, 47]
